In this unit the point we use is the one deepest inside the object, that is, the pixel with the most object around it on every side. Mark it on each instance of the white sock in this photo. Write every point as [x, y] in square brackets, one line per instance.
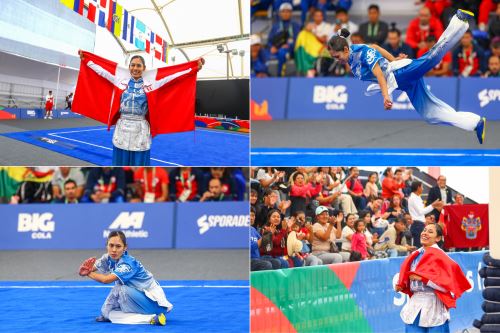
[119, 317]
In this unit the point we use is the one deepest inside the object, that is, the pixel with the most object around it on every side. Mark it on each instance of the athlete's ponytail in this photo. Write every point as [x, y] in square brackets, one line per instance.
[339, 42]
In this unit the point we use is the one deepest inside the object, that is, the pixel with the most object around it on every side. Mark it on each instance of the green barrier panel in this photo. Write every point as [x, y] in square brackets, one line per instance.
[311, 299]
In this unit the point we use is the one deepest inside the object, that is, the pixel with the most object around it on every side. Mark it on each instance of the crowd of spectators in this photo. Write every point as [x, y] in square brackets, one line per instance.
[124, 184]
[312, 216]
[478, 53]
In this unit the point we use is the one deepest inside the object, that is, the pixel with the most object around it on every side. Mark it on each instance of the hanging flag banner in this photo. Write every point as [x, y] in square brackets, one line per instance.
[109, 14]
[467, 225]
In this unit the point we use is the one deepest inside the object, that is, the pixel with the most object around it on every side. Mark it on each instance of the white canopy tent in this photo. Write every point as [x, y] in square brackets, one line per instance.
[192, 29]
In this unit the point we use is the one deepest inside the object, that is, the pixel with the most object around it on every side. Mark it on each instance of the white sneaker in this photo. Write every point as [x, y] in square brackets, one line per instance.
[44, 117]
[50, 117]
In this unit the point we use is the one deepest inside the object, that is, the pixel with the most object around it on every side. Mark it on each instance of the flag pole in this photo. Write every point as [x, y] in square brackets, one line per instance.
[57, 87]
[494, 212]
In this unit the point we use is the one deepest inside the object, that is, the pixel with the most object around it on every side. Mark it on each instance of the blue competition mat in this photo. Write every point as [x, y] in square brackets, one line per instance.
[374, 157]
[198, 148]
[46, 306]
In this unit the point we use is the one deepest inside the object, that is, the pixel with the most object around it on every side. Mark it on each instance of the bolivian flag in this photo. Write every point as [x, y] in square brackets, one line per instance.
[307, 50]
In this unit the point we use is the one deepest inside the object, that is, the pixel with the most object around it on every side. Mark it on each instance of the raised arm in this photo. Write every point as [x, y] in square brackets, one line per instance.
[99, 70]
[383, 52]
[167, 79]
[103, 278]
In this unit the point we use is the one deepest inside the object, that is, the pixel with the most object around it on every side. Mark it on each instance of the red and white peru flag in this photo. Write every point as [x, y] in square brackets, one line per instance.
[170, 92]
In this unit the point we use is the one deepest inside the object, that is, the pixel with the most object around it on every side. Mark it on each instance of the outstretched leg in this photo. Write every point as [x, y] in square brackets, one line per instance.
[435, 111]
[450, 37]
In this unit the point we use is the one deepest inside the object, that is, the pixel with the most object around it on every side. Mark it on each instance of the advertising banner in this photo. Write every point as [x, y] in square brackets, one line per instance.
[85, 226]
[481, 96]
[217, 225]
[269, 98]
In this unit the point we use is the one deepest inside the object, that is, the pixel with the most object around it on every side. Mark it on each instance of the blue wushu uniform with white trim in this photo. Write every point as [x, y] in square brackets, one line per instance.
[135, 291]
[407, 75]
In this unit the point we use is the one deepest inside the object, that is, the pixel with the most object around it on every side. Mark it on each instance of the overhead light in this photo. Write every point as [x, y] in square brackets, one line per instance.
[220, 48]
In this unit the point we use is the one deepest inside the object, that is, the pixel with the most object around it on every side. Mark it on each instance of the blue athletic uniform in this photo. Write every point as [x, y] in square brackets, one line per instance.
[407, 75]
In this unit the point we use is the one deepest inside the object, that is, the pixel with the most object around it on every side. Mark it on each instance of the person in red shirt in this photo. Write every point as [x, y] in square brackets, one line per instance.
[441, 69]
[356, 189]
[421, 27]
[184, 183]
[391, 185]
[152, 184]
[468, 58]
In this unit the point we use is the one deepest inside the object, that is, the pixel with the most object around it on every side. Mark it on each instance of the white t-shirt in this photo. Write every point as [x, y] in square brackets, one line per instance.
[319, 245]
[346, 244]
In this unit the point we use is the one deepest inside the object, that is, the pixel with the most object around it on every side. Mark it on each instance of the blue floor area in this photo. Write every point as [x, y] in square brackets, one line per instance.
[93, 144]
[199, 306]
[374, 157]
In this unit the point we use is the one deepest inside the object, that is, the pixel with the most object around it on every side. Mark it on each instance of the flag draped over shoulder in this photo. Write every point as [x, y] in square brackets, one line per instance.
[467, 225]
[171, 106]
[307, 50]
[10, 178]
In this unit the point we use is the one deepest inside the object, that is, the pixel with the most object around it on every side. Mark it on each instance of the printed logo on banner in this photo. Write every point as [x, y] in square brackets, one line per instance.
[334, 97]
[471, 225]
[206, 222]
[41, 226]
[486, 96]
[130, 223]
[31, 113]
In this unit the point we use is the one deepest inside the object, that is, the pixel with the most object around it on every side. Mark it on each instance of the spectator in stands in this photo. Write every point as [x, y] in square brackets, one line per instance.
[256, 262]
[494, 23]
[268, 176]
[429, 218]
[275, 233]
[378, 216]
[395, 209]
[395, 45]
[69, 101]
[215, 192]
[355, 188]
[494, 48]
[184, 184]
[259, 57]
[260, 6]
[392, 183]
[326, 231]
[70, 193]
[281, 39]
[36, 186]
[105, 185]
[359, 242]
[254, 197]
[152, 184]
[444, 66]
[393, 242]
[347, 233]
[468, 58]
[356, 38]
[485, 8]
[493, 67]
[342, 21]
[440, 192]
[374, 31]
[319, 27]
[437, 7]
[459, 199]
[229, 187]
[371, 188]
[417, 210]
[324, 5]
[302, 190]
[269, 204]
[61, 175]
[421, 27]
[294, 244]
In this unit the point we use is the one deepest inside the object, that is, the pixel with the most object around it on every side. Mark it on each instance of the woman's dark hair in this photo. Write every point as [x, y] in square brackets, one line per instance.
[439, 230]
[371, 174]
[349, 215]
[363, 213]
[415, 185]
[140, 58]
[253, 210]
[386, 171]
[271, 212]
[394, 29]
[356, 223]
[296, 174]
[119, 234]
[339, 42]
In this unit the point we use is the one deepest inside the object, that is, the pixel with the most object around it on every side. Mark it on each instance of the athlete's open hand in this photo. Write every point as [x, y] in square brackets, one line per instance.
[401, 56]
[387, 103]
[80, 53]
[87, 266]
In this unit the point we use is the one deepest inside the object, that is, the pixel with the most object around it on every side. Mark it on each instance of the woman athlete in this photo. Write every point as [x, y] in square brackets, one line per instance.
[136, 298]
[373, 63]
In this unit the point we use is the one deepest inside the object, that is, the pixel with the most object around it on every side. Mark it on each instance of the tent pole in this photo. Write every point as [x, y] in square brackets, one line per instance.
[57, 87]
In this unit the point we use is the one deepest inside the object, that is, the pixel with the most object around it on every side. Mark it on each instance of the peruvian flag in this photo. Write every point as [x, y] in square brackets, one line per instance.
[467, 225]
[171, 105]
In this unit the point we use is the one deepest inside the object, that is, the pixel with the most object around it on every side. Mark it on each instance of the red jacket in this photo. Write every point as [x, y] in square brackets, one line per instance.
[415, 35]
[437, 267]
